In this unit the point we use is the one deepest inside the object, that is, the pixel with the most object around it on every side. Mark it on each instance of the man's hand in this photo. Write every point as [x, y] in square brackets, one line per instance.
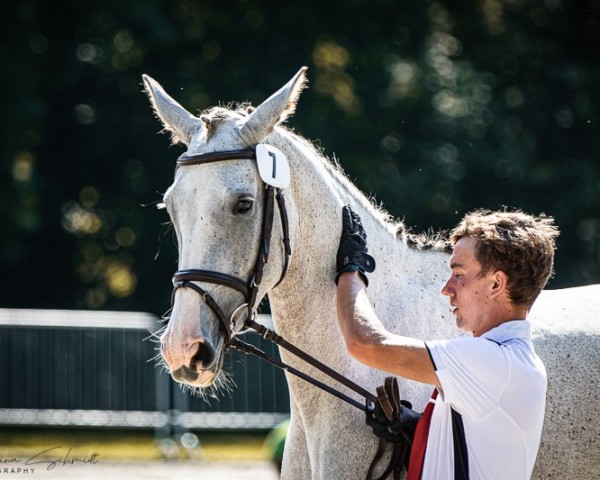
[352, 253]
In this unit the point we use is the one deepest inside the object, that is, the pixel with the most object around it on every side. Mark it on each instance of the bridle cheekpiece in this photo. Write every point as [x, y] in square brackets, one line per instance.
[274, 172]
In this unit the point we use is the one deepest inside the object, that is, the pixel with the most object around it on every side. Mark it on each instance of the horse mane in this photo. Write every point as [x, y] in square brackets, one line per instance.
[430, 240]
[423, 241]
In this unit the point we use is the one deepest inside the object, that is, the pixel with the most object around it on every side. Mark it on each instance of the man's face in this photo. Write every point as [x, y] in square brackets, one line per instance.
[467, 289]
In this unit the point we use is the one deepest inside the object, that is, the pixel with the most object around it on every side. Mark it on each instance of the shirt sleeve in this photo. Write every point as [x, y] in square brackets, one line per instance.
[472, 372]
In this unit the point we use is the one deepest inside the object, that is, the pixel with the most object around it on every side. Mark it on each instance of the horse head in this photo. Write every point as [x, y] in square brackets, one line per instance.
[223, 201]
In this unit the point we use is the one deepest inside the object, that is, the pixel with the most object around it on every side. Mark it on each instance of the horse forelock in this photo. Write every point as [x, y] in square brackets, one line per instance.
[216, 116]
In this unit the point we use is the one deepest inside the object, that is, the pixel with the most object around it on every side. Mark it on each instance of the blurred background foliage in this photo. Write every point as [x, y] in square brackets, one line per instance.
[433, 107]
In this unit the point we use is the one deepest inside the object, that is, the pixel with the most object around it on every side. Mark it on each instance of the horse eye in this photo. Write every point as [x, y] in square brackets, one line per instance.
[244, 205]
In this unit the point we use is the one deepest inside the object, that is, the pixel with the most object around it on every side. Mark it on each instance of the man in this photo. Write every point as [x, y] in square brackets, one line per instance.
[488, 414]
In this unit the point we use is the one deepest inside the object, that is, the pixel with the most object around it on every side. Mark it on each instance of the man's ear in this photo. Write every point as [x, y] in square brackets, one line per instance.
[500, 284]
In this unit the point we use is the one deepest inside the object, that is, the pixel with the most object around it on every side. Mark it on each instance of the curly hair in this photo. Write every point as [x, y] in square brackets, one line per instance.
[520, 245]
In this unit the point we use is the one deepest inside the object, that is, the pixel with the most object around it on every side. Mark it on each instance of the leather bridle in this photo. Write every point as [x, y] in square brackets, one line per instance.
[186, 279]
[249, 288]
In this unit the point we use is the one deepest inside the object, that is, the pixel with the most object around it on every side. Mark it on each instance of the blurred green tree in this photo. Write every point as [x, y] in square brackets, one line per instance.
[435, 108]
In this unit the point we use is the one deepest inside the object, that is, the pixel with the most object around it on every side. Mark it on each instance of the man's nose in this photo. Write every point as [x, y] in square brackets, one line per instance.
[447, 289]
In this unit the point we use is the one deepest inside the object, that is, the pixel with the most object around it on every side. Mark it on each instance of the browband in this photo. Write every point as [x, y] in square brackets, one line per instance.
[246, 154]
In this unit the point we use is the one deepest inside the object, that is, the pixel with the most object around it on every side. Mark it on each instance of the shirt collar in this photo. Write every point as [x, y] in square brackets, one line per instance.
[509, 331]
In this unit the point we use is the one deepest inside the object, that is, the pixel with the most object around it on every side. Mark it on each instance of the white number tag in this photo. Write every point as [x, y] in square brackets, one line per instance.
[273, 167]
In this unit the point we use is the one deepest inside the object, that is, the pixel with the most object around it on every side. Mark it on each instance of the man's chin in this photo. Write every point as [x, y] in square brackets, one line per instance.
[461, 324]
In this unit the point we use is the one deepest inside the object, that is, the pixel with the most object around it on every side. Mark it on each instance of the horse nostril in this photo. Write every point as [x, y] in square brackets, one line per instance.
[204, 358]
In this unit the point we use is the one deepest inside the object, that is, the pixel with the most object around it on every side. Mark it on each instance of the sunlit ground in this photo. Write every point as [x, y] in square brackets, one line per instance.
[128, 445]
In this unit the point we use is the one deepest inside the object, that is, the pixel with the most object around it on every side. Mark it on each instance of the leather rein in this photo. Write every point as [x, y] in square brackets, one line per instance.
[249, 289]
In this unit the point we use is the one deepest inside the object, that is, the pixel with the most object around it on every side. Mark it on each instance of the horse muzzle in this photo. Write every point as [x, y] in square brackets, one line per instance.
[193, 344]
[198, 367]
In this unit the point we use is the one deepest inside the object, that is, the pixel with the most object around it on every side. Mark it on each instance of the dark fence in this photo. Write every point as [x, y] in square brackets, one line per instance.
[89, 368]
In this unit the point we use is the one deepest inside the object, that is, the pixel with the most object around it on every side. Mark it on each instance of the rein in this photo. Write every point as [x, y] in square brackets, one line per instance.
[249, 289]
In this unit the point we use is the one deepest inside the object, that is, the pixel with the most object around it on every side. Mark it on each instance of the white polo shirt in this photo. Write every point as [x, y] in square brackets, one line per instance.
[497, 384]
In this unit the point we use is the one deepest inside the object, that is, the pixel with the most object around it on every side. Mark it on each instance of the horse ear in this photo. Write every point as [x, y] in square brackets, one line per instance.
[176, 119]
[274, 110]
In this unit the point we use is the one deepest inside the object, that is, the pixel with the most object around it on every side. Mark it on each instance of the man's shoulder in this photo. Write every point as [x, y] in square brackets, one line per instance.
[472, 352]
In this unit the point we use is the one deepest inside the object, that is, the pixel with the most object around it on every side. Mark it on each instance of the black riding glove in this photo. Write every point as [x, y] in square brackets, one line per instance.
[401, 428]
[352, 253]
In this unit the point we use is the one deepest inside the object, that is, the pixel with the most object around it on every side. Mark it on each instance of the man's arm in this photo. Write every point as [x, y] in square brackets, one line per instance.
[368, 341]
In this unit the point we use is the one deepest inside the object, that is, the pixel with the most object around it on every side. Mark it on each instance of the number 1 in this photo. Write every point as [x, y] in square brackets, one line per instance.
[274, 157]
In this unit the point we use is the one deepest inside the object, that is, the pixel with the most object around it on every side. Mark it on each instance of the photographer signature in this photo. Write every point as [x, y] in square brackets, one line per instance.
[48, 458]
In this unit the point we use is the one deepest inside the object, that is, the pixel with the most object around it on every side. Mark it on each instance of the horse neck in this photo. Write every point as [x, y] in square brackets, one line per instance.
[305, 302]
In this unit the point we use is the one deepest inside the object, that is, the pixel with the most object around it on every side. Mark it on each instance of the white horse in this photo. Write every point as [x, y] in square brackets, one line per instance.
[217, 211]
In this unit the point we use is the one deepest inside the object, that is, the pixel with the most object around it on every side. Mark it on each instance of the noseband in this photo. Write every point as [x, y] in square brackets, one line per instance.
[249, 288]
